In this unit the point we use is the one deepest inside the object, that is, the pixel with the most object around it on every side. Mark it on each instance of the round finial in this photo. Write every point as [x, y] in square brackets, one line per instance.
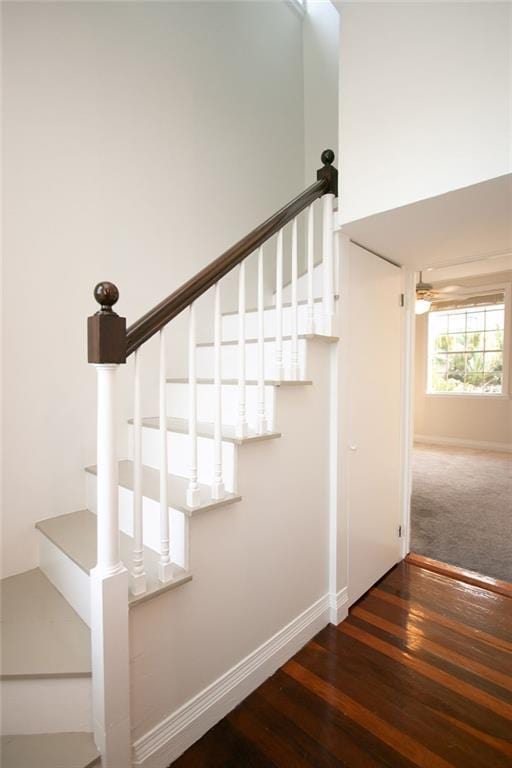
[327, 157]
[106, 294]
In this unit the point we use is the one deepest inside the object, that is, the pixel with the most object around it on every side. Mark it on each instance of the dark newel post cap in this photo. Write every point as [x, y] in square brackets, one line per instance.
[106, 331]
[106, 294]
[329, 172]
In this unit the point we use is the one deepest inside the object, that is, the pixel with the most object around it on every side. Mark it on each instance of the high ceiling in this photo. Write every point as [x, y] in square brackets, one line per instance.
[469, 224]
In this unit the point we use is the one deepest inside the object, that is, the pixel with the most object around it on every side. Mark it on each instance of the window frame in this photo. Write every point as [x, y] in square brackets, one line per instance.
[299, 6]
[505, 392]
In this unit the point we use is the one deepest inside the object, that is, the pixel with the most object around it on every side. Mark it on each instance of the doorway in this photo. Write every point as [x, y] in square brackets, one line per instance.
[461, 499]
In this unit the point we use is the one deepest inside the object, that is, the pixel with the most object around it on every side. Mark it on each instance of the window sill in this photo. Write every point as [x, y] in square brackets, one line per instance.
[471, 395]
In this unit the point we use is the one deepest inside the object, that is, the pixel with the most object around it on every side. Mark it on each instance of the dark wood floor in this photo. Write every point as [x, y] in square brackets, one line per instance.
[420, 674]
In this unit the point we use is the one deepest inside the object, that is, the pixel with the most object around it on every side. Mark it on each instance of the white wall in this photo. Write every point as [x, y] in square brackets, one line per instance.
[256, 565]
[425, 100]
[321, 71]
[140, 140]
[466, 419]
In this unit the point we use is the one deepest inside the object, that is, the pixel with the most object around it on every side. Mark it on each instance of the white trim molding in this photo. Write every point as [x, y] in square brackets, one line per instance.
[338, 606]
[481, 445]
[171, 737]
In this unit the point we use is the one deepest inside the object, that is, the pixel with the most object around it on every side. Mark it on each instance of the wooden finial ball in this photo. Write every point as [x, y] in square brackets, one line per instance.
[327, 157]
[106, 294]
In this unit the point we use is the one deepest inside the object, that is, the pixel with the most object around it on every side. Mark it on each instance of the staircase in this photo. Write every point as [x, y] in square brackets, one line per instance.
[262, 376]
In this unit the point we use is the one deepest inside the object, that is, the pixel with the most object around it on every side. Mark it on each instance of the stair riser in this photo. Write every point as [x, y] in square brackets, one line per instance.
[230, 364]
[151, 520]
[302, 286]
[178, 453]
[48, 705]
[178, 399]
[66, 576]
[230, 323]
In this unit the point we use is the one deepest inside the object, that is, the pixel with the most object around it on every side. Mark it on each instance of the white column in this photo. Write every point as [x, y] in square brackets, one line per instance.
[294, 368]
[137, 576]
[164, 565]
[279, 372]
[311, 264]
[262, 426]
[109, 595]
[193, 493]
[218, 490]
[242, 426]
[327, 250]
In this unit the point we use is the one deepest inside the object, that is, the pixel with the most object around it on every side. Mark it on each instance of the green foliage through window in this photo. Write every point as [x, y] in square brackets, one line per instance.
[466, 349]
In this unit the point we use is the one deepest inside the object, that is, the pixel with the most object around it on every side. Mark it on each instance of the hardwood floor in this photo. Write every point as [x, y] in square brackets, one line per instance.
[420, 674]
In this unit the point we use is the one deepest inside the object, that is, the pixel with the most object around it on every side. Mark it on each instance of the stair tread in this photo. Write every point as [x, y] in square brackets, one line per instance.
[206, 429]
[75, 534]
[177, 488]
[252, 340]
[42, 636]
[49, 750]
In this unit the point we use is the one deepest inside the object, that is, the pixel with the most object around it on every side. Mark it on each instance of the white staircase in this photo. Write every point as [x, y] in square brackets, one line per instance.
[47, 613]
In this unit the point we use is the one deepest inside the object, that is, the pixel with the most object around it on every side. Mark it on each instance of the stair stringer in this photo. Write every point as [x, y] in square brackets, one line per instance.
[260, 588]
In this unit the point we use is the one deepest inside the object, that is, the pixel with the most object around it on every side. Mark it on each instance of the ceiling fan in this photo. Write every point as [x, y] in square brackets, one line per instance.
[426, 294]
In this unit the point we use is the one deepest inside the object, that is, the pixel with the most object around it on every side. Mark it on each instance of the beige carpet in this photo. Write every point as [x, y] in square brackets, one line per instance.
[462, 508]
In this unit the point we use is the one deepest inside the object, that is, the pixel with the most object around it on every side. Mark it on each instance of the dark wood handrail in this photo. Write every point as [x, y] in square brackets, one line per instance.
[105, 322]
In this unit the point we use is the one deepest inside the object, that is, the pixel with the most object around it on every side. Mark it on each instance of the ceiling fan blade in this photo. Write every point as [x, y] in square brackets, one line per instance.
[451, 289]
[463, 290]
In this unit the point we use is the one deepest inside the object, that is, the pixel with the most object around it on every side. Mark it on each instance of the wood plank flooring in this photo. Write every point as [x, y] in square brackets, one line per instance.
[420, 674]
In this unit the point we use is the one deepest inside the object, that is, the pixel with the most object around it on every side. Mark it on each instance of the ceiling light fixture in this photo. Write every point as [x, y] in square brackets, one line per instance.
[422, 306]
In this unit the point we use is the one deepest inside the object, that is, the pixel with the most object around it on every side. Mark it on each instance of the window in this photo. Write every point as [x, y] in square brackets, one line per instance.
[465, 349]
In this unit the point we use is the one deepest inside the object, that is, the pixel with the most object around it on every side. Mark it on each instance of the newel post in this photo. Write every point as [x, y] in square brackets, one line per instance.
[328, 172]
[109, 579]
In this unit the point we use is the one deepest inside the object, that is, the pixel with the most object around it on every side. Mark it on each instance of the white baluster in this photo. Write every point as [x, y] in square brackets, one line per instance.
[242, 426]
[193, 493]
[294, 369]
[218, 491]
[336, 286]
[327, 249]
[138, 575]
[279, 372]
[164, 565]
[311, 258]
[261, 417]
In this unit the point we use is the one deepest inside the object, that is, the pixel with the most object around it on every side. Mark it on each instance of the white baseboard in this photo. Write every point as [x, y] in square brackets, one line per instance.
[481, 445]
[170, 738]
[338, 606]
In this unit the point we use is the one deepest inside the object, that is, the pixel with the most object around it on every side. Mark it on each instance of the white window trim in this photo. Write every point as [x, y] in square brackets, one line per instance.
[507, 333]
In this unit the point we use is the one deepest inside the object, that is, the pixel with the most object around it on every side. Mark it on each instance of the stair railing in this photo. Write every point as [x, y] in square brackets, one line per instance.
[110, 343]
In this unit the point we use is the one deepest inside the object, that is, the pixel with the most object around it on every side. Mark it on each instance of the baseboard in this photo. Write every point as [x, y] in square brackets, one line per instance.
[338, 606]
[171, 737]
[481, 445]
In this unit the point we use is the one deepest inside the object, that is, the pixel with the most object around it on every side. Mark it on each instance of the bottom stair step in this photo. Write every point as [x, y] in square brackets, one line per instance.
[42, 636]
[49, 750]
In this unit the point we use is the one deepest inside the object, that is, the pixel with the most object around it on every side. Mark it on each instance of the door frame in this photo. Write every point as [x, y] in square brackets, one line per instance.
[407, 403]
